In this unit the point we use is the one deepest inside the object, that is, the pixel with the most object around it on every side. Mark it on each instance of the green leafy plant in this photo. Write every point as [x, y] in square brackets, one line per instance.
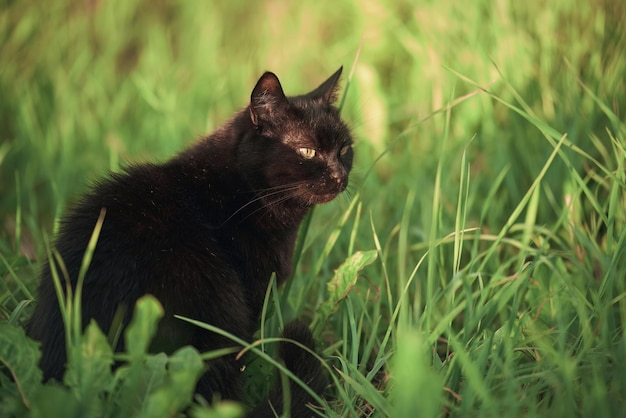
[146, 385]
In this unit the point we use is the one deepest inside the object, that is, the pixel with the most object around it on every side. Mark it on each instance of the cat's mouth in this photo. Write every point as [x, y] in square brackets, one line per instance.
[326, 194]
[319, 199]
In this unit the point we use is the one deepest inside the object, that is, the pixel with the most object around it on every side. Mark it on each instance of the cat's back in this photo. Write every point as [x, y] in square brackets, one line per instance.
[154, 238]
[150, 224]
[144, 202]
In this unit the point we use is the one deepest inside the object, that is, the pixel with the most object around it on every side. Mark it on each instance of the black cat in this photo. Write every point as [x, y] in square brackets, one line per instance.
[204, 231]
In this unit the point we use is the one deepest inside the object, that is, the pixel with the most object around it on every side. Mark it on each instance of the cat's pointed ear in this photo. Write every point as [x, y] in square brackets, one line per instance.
[327, 91]
[267, 98]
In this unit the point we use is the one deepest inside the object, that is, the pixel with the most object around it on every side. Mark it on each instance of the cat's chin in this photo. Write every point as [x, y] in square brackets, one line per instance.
[322, 198]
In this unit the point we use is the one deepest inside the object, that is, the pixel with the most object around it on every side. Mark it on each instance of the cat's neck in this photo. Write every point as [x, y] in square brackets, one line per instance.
[216, 153]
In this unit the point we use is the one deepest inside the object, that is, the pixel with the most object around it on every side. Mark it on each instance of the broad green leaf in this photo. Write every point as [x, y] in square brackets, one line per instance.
[11, 404]
[133, 380]
[176, 391]
[340, 285]
[57, 401]
[141, 330]
[258, 378]
[155, 371]
[20, 355]
[89, 367]
[224, 409]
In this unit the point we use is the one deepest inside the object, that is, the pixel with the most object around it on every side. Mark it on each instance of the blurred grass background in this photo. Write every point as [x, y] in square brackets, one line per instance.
[501, 250]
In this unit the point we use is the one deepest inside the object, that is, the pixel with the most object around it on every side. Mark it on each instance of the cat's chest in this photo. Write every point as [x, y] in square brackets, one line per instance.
[256, 257]
[260, 253]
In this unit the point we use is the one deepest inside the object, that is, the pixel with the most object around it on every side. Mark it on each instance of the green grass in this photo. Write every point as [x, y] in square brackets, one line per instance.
[489, 178]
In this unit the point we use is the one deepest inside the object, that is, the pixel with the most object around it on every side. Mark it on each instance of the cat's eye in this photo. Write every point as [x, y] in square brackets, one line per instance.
[307, 153]
[343, 151]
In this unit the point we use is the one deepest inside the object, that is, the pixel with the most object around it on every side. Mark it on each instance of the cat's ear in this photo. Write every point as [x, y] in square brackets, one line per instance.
[267, 98]
[327, 91]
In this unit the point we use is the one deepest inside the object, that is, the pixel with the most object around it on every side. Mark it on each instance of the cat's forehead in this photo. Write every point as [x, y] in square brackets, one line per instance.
[314, 111]
[315, 126]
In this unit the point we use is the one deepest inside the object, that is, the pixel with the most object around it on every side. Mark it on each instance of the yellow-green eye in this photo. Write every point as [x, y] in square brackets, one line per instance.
[344, 150]
[307, 153]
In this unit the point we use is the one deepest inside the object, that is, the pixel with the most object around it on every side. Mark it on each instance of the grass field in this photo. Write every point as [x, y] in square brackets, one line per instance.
[489, 181]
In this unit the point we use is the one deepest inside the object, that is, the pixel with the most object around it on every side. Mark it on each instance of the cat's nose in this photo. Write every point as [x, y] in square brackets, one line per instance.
[337, 177]
[337, 174]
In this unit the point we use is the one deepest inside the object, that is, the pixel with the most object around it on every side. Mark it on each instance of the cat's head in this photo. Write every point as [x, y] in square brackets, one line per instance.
[300, 151]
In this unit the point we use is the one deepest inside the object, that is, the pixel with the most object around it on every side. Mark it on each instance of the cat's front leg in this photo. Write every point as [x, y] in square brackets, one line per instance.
[222, 380]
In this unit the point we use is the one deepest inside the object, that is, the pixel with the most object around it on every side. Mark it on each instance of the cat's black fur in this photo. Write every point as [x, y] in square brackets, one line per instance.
[204, 231]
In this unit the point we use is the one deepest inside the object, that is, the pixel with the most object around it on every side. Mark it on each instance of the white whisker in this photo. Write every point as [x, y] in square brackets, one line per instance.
[264, 194]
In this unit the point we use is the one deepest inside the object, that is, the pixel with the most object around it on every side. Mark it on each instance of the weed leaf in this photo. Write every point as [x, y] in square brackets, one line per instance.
[148, 312]
[340, 285]
[20, 356]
